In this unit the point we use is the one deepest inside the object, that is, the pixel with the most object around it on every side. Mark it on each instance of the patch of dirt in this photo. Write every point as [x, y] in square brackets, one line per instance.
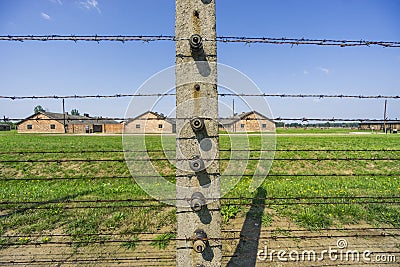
[247, 236]
[332, 247]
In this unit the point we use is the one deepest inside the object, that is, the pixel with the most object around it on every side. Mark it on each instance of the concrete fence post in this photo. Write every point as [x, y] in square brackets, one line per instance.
[197, 147]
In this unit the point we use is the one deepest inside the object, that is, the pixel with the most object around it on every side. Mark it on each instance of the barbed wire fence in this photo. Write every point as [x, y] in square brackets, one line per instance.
[167, 257]
[223, 39]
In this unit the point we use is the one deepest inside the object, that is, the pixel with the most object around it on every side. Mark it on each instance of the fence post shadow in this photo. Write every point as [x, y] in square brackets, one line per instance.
[40, 203]
[246, 251]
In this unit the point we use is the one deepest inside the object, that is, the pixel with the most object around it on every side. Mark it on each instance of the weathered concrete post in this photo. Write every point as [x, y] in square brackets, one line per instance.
[197, 175]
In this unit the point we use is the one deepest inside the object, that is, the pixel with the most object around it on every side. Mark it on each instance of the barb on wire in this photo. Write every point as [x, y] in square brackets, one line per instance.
[87, 38]
[245, 201]
[277, 119]
[220, 94]
[303, 41]
[366, 234]
[85, 261]
[133, 233]
[85, 96]
[223, 39]
[313, 96]
[204, 159]
[170, 150]
[225, 175]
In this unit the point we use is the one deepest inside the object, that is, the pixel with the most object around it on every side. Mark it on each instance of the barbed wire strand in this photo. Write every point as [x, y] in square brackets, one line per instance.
[247, 40]
[69, 201]
[294, 175]
[356, 235]
[77, 253]
[98, 96]
[273, 202]
[223, 39]
[277, 119]
[188, 160]
[139, 260]
[173, 150]
[273, 231]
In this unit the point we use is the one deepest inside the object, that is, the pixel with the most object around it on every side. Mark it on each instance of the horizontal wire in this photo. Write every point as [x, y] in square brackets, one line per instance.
[311, 197]
[94, 38]
[319, 230]
[316, 203]
[241, 237]
[224, 39]
[118, 260]
[223, 175]
[223, 204]
[303, 119]
[70, 201]
[381, 263]
[168, 252]
[85, 96]
[173, 150]
[174, 160]
[102, 253]
[223, 231]
[313, 96]
[304, 41]
[320, 96]
[137, 263]
[142, 260]
[158, 205]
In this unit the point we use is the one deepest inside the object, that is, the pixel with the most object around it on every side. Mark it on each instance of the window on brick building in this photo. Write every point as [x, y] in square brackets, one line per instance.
[264, 126]
[241, 125]
[160, 126]
[52, 126]
[137, 126]
[29, 127]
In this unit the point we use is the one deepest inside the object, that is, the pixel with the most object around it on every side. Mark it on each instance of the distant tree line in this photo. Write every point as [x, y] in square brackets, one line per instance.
[39, 108]
[317, 125]
[12, 124]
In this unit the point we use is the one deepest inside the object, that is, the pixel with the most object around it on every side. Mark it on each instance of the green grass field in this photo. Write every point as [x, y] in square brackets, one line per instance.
[41, 205]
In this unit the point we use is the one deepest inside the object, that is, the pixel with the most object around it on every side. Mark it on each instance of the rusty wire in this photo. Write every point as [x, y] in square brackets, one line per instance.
[357, 235]
[303, 119]
[279, 201]
[223, 231]
[204, 159]
[267, 201]
[98, 96]
[225, 175]
[226, 201]
[223, 39]
[333, 150]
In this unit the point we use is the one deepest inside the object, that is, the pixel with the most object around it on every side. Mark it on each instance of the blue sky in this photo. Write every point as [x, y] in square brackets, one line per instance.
[39, 68]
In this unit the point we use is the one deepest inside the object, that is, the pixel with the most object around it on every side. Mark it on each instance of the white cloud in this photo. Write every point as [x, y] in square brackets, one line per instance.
[45, 16]
[327, 71]
[89, 4]
[56, 2]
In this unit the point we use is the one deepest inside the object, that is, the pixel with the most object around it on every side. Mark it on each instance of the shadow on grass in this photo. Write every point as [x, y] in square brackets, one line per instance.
[41, 203]
[246, 250]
